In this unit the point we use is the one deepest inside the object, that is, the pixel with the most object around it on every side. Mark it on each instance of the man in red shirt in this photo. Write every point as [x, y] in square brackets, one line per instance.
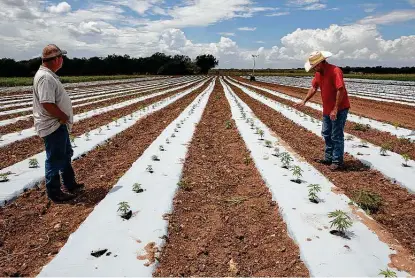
[329, 79]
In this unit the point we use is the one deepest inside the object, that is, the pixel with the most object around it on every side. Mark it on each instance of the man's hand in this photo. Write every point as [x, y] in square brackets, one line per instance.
[333, 114]
[300, 104]
[63, 122]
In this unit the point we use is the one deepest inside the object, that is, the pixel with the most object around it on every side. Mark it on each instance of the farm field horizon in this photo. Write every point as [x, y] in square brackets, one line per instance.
[212, 176]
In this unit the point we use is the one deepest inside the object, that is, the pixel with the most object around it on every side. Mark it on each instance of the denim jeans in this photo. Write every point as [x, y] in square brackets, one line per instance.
[333, 134]
[58, 160]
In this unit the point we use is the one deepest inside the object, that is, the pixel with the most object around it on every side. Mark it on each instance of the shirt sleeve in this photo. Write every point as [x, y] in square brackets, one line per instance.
[46, 89]
[338, 78]
[315, 82]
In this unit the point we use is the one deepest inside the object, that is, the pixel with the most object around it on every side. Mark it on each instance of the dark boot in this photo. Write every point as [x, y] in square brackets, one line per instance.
[76, 187]
[60, 197]
[323, 161]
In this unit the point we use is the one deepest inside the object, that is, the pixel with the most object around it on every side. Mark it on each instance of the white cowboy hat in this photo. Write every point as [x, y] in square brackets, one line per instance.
[315, 58]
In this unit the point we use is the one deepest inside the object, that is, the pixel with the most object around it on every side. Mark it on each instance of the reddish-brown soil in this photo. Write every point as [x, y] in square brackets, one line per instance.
[23, 149]
[33, 230]
[397, 213]
[225, 222]
[397, 145]
[91, 106]
[404, 115]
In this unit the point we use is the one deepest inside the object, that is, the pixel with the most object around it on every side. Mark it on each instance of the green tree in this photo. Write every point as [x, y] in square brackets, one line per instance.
[206, 62]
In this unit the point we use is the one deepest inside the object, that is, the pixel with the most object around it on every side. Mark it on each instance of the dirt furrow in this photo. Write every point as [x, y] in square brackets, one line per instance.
[224, 222]
[379, 138]
[24, 149]
[33, 229]
[403, 115]
[397, 210]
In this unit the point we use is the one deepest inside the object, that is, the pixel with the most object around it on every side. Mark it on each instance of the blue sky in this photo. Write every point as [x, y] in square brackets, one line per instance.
[281, 31]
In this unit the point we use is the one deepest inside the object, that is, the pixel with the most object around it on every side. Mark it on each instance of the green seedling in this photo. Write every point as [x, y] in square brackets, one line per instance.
[137, 188]
[155, 158]
[406, 158]
[228, 124]
[19, 132]
[268, 143]
[178, 125]
[367, 200]
[72, 139]
[384, 149]
[150, 169]
[247, 159]
[313, 189]
[341, 221]
[361, 127]
[396, 125]
[123, 207]
[363, 144]
[108, 127]
[116, 121]
[261, 134]
[173, 135]
[1, 137]
[33, 163]
[87, 136]
[387, 273]
[286, 160]
[184, 185]
[125, 120]
[276, 152]
[4, 177]
[167, 141]
[99, 130]
[252, 125]
[161, 148]
[176, 130]
[257, 129]
[297, 173]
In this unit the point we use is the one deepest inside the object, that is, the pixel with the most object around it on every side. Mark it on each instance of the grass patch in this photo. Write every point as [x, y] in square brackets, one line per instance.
[28, 81]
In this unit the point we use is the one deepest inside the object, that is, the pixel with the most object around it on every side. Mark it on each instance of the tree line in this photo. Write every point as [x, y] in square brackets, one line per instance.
[158, 63]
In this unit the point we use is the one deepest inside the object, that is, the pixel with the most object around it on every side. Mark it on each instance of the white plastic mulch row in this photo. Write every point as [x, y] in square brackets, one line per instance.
[127, 239]
[85, 97]
[369, 154]
[15, 119]
[23, 177]
[324, 254]
[380, 92]
[29, 132]
[385, 127]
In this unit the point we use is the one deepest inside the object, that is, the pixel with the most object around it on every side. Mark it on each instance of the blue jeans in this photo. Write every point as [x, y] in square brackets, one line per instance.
[333, 134]
[58, 159]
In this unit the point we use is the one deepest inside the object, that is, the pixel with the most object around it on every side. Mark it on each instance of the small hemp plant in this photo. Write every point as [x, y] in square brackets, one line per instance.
[363, 144]
[108, 127]
[387, 273]
[87, 136]
[257, 129]
[286, 160]
[137, 188]
[155, 158]
[261, 134]
[252, 125]
[125, 120]
[123, 207]
[150, 169]
[247, 159]
[99, 130]
[33, 163]
[228, 124]
[341, 221]
[72, 139]
[313, 189]
[297, 173]
[116, 121]
[268, 144]
[19, 132]
[396, 125]
[4, 177]
[173, 135]
[178, 126]
[1, 137]
[167, 141]
[176, 130]
[406, 158]
[276, 152]
[184, 185]
[384, 149]
[161, 148]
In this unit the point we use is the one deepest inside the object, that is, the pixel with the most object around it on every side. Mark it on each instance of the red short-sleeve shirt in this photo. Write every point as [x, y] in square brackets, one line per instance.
[329, 82]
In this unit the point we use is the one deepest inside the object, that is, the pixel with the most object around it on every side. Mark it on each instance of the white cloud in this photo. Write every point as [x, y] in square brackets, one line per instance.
[247, 28]
[369, 7]
[278, 14]
[411, 2]
[261, 42]
[308, 5]
[389, 18]
[229, 34]
[62, 7]
[139, 6]
[314, 7]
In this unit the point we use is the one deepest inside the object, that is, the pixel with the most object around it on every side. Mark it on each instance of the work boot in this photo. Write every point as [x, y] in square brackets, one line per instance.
[60, 197]
[74, 189]
[323, 161]
[337, 166]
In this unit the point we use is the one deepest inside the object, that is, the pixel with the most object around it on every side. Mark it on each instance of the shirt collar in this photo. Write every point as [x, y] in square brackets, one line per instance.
[48, 70]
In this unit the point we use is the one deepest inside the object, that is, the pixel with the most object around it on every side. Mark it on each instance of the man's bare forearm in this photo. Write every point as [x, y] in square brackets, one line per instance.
[311, 92]
[54, 110]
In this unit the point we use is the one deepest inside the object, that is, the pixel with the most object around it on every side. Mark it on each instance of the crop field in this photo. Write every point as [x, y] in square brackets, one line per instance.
[213, 176]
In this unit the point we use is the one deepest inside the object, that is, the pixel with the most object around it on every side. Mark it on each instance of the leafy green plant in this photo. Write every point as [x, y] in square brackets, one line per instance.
[161, 148]
[387, 273]
[99, 130]
[87, 136]
[72, 139]
[276, 152]
[349, 137]
[396, 125]
[313, 189]
[4, 177]
[363, 144]
[155, 158]
[178, 125]
[228, 124]
[19, 132]
[252, 125]
[247, 159]
[33, 163]
[261, 134]
[125, 120]
[176, 130]
[406, 158]
[173, 135]
[149, 169]
[184, 185]
[257, 129]
[341, 221]
[167, 141]
[367, 200]
[361, 127]
[123, 207]
[384, 149]
[268, 143]
[108, 127]
[137, 188]
[286, 160]
[297, 173]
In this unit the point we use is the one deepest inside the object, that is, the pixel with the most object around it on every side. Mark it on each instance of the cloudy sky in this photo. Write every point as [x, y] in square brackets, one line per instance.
[282, 32]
